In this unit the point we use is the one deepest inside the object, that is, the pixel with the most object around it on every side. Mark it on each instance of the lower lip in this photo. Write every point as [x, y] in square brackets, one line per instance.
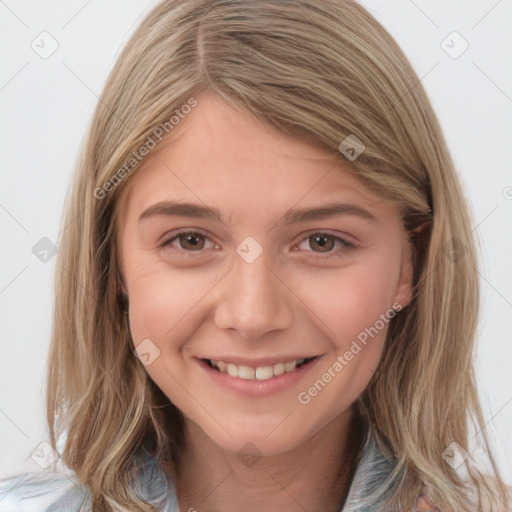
[254, 387]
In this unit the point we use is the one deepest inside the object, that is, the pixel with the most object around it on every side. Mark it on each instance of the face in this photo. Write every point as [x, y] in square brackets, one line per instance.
[264, 320]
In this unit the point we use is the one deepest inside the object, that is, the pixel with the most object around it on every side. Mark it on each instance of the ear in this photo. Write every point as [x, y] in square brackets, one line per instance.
[413, 256]
[121, 287]
[404, 290]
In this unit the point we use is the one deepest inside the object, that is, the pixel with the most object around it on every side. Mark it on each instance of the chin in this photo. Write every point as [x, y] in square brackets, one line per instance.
[255, 437]
[253, 444]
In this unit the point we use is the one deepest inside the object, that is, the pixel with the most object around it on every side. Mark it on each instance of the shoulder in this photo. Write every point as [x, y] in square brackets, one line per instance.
[63, 492]
[43, 492]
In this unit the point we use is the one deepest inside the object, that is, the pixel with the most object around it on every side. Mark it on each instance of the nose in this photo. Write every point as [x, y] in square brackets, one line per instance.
[253, 299]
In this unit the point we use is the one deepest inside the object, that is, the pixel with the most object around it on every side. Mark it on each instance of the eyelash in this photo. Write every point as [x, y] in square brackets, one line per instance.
[345, 245]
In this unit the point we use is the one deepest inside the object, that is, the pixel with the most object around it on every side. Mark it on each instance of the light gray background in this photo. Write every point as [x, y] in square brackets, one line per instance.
[46, 105]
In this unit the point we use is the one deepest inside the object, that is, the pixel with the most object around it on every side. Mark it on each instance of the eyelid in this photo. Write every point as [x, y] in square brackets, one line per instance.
[169, 235]
[342, 237]
[346, 243]
[176, 233]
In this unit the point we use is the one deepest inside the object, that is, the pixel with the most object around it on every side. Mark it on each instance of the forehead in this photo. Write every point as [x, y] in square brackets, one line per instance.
[221, 156]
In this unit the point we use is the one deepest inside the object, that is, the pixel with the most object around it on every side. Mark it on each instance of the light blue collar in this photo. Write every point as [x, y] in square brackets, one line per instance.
[374, 479]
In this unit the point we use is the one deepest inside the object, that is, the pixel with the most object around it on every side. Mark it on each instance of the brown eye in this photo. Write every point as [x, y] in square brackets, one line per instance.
[325, 245]
[187, 242]
[324, 242]
[191, 242]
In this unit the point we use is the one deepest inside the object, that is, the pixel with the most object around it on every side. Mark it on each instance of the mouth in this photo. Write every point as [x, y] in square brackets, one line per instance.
[260, 373]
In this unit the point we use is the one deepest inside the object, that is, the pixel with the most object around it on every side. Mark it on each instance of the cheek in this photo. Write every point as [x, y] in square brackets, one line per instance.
[354, 305]
[162, 301]
[351, 299]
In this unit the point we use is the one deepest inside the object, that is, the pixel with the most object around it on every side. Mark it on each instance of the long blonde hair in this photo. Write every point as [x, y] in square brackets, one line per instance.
[326, 70]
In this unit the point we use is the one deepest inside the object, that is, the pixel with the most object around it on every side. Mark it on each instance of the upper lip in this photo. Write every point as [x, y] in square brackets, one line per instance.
[255, 363]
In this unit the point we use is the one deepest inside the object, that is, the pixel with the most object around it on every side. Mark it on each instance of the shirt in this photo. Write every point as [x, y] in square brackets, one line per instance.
[62, 492]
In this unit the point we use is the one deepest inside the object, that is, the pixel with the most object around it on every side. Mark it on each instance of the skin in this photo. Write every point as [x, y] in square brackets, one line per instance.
[313, 300]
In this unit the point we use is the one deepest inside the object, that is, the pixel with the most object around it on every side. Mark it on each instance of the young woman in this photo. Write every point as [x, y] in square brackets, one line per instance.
[266, 295]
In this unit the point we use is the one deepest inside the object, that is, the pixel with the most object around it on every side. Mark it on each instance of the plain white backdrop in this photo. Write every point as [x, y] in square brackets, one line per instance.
[55, 60]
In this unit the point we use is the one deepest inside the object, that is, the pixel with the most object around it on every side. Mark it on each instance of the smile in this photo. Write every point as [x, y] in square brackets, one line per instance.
[257, 373]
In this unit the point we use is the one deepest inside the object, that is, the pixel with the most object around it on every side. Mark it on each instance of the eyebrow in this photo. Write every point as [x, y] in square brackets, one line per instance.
[292, 216]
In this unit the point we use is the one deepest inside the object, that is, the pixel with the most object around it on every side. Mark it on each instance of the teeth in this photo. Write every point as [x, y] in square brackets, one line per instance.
[232, 370]
[259, 373]
[246, 372]
[264, 372]
[278, 369]
[290, 366]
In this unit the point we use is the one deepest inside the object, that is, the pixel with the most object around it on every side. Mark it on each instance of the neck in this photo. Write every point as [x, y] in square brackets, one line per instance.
[314, 476]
